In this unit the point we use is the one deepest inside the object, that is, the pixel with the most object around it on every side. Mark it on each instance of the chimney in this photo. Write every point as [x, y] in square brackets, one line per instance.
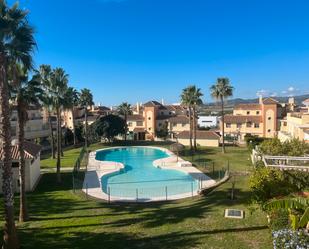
[162, 101]
[260, 99]
[137, 107]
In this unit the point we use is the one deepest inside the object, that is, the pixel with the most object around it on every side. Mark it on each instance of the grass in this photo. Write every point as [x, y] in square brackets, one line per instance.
[62, 219]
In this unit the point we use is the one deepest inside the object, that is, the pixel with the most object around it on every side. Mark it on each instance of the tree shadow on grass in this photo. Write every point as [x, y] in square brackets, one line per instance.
[115, 240]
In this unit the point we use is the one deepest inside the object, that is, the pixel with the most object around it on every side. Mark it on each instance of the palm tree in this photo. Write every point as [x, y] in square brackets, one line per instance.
[221, 90]
[197, 94]
[72, 100]
[16, 46]
[125, 109]
[58, 88]
[86, 100]
[298, 209]
[24, 93]
[44, 74]
[187, 99]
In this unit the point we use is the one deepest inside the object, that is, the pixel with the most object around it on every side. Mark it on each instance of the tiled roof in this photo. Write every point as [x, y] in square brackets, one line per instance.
[200, 135]
[248, 107]
[31, 151]
[242, 119]
[139, 129]
[179, 119]
[136, 117]
[270, 101]
[152, 103]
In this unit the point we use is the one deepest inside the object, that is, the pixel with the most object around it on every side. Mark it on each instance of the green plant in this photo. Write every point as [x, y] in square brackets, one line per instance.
[298, 209]
[266, 183]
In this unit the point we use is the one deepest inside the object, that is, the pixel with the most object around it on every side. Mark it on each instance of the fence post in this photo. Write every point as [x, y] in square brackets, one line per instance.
[192, 189]
[73, 182]
[228, 165]
[166, 193]
[109, 195]
[136, 195]
[219, 174]
[87, 191]
[213, 168]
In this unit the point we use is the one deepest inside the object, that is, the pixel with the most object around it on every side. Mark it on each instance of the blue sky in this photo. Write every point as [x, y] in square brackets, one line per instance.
[137, 50]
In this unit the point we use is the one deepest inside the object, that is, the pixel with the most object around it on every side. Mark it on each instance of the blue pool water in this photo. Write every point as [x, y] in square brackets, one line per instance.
[139, 178]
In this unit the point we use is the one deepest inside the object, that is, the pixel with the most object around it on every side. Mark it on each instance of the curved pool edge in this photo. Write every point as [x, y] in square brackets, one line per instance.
[97, 169]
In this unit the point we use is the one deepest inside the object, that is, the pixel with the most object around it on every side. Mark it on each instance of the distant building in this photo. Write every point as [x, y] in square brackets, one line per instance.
[32, 165]
[261, 119]
[296, 125]
[150, 118]
[36, 127]
[208, 121]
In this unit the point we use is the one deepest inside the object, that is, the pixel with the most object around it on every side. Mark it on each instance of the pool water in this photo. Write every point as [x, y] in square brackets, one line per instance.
[140, 179]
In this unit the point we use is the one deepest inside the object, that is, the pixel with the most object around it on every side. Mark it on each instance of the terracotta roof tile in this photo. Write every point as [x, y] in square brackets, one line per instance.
[200, 135]
[248, 107]
[242, 119]
[179, 119]
[136, 117]
[31, 151]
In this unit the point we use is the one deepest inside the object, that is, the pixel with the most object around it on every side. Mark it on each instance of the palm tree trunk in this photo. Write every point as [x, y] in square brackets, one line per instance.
[194, 128]
[86, 128]
[222, 115]
[51, 135]
[23, 214]
[58, 146]
[190, 128]
[10, 239]
[61, 140]
[73, 127]
[126, 128]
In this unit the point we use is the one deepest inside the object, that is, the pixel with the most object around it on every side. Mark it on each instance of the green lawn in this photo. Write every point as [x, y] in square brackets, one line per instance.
[62, 219]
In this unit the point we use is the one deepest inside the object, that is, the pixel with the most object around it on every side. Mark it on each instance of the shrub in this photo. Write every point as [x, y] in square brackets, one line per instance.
[292, 147]
[290, 239]
[266, 183]
[252, 141]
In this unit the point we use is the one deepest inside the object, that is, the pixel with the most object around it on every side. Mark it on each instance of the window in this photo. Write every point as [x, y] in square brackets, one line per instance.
[15, 164]
[249, 124]
[149, 129]
[170, 113]
[139, 123]
[257, 112]
[248, 112]
[183, 124]
[228, 125]
[129, 124]
[149, 118]
[160, 124]
[256, 125]
[269, 118]
[238, 125]
[162, 113]
[268, 130]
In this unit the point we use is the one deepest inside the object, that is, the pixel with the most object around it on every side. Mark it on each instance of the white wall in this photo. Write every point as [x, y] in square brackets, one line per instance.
[208, 121]
[32, 175]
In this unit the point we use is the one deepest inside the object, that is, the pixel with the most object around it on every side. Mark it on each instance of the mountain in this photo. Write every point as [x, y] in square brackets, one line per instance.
[298, 100]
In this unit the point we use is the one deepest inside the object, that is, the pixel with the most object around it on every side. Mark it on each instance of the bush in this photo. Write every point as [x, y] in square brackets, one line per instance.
[275, 147]
[252, 141]
[266, 183]
[290, 239]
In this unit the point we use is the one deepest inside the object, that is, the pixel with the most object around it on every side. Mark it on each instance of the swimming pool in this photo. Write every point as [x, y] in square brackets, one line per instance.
[140, 179]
